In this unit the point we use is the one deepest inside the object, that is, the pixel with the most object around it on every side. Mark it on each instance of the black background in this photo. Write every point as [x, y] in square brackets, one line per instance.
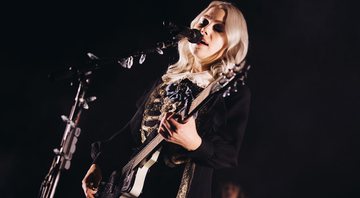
[303, 132]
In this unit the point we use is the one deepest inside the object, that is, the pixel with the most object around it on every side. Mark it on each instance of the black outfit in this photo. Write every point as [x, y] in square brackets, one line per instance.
[221, 124]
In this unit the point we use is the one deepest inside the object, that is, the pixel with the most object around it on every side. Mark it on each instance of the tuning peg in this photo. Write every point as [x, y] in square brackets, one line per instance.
[230, 74]
[227, 92]
[234, 87]
[222, 81]
[241, 80]
[224, 94]
[237, 68]
[248, 67]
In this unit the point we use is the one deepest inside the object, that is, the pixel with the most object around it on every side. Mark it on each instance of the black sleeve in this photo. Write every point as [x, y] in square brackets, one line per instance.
[116, 151]
[221, 149]
[112, 153]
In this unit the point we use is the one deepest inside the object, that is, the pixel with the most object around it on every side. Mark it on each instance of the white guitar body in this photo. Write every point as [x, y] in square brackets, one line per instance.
[140, 177]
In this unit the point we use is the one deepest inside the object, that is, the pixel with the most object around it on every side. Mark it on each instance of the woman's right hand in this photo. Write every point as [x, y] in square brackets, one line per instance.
[91, 181]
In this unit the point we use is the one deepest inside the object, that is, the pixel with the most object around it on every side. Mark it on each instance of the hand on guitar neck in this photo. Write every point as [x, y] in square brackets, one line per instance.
[91, 181]
[183, 134]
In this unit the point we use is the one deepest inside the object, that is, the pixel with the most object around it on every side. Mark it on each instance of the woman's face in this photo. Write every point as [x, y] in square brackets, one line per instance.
[212, 27]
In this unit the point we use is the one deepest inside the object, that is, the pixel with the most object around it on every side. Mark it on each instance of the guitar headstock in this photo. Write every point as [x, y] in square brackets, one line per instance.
[229, 81]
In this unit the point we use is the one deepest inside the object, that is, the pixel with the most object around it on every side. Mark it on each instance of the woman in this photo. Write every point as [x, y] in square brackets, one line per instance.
[201, 143]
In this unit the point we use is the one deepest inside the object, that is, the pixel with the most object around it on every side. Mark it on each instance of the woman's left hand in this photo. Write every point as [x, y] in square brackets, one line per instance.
[183, 134]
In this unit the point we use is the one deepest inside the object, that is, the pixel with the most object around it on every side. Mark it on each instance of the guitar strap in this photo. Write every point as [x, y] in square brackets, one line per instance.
[156, 105]
[186, 180]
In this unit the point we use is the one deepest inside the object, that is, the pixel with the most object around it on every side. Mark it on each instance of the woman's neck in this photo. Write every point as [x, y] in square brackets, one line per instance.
[199, 66]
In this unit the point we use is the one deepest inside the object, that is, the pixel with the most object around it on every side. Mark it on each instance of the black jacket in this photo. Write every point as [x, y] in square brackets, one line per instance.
[221, 125]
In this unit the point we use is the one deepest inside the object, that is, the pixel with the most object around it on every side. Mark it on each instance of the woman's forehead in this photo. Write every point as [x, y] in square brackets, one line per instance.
[216, 14]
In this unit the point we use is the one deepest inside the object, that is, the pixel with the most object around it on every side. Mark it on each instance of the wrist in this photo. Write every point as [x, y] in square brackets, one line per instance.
[196, 144]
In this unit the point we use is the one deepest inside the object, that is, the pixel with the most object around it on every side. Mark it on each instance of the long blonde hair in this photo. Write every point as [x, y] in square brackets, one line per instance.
[236, 49]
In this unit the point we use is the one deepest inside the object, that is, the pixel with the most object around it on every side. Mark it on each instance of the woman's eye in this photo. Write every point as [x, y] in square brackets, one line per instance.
[203, 23]
[219, 27]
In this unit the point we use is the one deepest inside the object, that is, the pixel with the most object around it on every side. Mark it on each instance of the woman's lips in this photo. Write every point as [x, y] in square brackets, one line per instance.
[203, 42]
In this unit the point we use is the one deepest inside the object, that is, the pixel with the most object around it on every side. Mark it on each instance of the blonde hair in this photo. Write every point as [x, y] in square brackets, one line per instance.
[235, 51]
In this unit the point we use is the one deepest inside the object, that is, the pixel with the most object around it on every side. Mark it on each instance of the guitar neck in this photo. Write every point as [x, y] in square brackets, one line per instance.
[143, 153]
[219, 84]
[203, 95]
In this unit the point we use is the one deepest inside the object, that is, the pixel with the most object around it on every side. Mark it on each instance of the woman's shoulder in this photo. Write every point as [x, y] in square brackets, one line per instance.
[152, 85]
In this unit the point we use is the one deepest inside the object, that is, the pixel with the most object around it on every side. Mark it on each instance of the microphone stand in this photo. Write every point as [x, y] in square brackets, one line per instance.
[64, 154]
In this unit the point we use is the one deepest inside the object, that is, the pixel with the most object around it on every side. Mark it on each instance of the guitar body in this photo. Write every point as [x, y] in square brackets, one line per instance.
[138, 182]
[131, 183]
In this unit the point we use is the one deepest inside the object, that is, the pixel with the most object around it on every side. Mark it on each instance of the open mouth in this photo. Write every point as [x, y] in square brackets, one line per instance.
[204, 43]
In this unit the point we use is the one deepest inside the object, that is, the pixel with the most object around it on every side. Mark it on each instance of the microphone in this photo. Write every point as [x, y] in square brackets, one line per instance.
[193, 35]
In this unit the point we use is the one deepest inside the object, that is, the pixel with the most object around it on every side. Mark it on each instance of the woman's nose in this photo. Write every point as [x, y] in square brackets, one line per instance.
[204, 31]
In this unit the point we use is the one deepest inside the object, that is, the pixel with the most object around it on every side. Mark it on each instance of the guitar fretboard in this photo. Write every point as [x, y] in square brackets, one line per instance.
[202, 96]
[140, 156]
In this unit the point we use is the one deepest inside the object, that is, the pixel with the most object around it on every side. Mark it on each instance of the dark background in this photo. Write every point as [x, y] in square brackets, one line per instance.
[303, 132]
